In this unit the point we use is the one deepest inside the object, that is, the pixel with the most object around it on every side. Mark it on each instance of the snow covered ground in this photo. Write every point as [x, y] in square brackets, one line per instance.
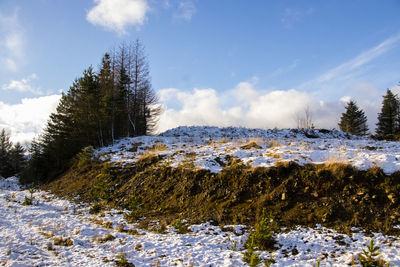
[207, 147]
[28, 234]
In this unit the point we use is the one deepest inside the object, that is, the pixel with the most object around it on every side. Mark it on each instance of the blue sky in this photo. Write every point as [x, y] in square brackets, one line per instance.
[241, 63]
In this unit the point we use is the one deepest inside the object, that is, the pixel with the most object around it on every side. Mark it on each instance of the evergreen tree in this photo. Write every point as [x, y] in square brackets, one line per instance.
[353, 120]
[5, 147]
[388, 119]
[17, 158]
[116, 102]
[107, 107]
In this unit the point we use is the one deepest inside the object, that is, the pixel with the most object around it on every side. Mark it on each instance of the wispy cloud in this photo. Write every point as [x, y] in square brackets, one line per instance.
[186, 10]
[12, 41]
[360, 60]
[23, 85]
[293, 15]
[116, 15]
[350, 73]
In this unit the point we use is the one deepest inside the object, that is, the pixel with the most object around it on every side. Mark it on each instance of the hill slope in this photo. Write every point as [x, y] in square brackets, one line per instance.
[229, 175]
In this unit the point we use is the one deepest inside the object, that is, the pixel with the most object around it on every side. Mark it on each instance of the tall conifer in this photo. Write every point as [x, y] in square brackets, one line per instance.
[388, 118]
[353, 120]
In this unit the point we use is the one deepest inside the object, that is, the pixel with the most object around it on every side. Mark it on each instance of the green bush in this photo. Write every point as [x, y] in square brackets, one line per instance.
[262, 236]
[84, 158]
[134, 207]
[29, 200]
[101, 188]
[181, 226]
[370, 257]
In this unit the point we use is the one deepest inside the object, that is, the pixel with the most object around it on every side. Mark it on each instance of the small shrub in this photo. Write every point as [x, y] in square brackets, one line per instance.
[84, 158]
[122, 261]
[370, 257]
[253, 259]
[134, 206]
[29, 200]
[101, 189]
[181, 226]
[262, 236]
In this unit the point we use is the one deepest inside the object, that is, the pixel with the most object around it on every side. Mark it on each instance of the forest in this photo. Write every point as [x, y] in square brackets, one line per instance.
[101, 106]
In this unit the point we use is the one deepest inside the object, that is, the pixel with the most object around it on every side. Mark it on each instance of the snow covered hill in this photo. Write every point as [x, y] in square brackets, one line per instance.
[210, 147]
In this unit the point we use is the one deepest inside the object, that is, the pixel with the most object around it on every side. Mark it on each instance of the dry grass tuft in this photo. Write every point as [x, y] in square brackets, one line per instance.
[274, 143]
[251, 144]
[59, 241]
[108, 237]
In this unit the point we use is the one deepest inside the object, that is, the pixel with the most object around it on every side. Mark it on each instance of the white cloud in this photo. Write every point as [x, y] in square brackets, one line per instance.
[116, 15]
[12, 41]
[23, 85]
[28, 118]
[186, 10]
[245, 106]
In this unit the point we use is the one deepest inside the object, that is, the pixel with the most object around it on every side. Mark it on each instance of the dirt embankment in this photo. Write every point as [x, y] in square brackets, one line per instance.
[335, 195]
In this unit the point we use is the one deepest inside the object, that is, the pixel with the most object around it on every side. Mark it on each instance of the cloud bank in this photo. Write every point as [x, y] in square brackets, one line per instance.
[245, 106]
[116, 15]
[28, 118]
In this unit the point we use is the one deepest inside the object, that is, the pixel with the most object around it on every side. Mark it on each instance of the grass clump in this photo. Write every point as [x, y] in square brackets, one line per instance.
[95, 208]
[369, 257]
[251, 144]
[59, 241]
[108, 237]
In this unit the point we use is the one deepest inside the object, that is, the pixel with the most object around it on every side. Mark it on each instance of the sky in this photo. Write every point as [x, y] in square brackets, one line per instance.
[257, 64]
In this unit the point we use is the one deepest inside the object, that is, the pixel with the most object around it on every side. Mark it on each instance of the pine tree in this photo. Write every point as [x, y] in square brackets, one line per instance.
[5, 147]
[116, 102]
[388, 119]
[353, 120]
[17, 158]
[107, 108]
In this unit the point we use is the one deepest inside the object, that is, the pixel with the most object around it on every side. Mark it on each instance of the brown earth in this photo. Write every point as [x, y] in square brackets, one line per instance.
[334, 195]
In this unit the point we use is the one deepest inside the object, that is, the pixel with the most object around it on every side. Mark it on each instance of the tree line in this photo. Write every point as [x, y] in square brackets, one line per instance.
[101, 106]
[354, 121]
[12, 157]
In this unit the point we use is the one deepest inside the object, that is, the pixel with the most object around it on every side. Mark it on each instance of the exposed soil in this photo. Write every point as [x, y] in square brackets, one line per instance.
[334, 195]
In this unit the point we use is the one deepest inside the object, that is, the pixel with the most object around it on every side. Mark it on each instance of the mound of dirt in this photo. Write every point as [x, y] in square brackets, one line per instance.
[334, 195]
